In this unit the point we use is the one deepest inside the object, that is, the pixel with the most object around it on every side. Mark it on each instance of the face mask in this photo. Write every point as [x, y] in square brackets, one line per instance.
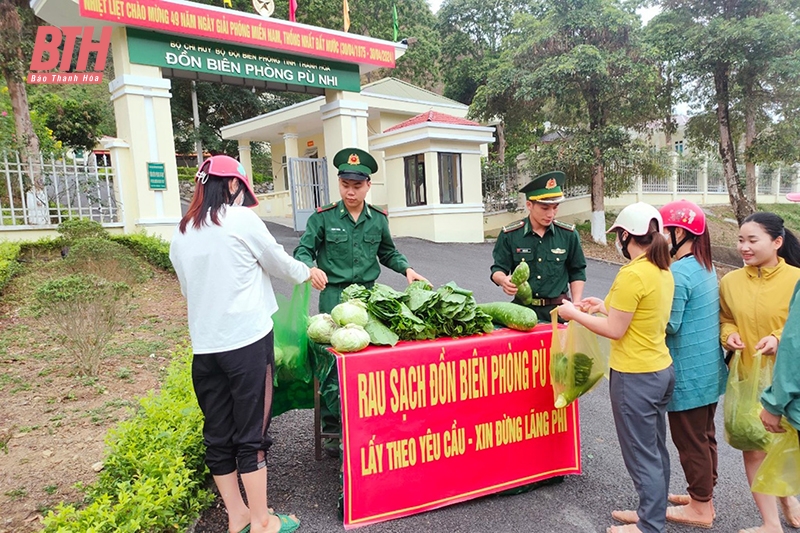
[619, 247]
[238, 198]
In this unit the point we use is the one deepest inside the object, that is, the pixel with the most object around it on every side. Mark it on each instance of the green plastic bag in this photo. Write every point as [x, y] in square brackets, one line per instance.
[779, 474]
[291, 339]
[577, 361]
[743, 428]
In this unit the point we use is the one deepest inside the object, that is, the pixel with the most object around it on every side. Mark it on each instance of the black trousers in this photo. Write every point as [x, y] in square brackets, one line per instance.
[234, 390]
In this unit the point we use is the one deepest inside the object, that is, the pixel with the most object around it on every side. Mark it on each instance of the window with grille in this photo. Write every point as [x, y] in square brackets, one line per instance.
[450, 179]
[415, 180]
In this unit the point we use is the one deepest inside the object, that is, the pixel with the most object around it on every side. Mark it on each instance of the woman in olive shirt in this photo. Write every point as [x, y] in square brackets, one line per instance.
[637, 310]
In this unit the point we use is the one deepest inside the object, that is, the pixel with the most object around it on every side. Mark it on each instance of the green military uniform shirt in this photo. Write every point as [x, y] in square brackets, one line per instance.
[556, 259]
[347, 251]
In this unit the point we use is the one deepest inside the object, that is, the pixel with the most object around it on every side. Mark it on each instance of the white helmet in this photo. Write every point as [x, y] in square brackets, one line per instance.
[635, 219]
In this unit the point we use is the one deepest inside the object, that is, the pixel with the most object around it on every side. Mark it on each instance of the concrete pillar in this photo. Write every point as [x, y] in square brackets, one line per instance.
[123, 189]
[344, 124]
[673, 175]
[245, 159]
[141, 99]
[432, 178]
[702, 184]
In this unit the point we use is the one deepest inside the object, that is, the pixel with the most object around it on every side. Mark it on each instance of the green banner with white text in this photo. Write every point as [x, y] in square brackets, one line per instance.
[172, 51]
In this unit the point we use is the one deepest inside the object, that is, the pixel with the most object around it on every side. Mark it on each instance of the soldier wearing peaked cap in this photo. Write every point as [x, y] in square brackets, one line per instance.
[551, 248]
[349, 240]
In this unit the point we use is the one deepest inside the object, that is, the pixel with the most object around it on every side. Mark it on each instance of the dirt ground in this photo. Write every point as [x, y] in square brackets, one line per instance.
[53, 420]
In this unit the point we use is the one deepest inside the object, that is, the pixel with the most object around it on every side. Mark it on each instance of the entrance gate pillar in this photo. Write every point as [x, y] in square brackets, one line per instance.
[141, 99]
[344, 124]
[246, 159]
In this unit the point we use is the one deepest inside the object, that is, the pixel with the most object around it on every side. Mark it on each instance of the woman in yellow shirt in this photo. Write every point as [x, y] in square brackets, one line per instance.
[754, 304]
[637, 310]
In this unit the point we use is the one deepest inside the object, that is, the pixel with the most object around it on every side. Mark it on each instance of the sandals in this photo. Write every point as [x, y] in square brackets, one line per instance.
[792, 519]
[678, 515]
[628, 528]
[288, 524]
[626, 517]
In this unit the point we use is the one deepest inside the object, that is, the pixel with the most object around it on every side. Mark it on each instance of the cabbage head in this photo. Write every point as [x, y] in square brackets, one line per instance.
[320, 328]
[350, 312]
[350, 338]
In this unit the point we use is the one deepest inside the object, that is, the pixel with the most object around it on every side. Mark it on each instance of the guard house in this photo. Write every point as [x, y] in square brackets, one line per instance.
[155, 41]
[429, 156]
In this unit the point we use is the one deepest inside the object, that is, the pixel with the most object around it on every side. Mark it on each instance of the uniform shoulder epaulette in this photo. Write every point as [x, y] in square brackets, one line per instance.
[326, 207]
[383, 212]
[513, 226]
[564, 225]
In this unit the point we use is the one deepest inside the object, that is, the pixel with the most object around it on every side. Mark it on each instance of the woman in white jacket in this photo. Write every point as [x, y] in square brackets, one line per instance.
[224, 256]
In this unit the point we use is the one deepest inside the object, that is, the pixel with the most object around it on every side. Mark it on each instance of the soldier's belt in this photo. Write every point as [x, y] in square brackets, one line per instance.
[543, 302]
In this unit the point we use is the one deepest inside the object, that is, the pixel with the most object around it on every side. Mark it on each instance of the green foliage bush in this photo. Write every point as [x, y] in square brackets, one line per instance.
[85, 312]
[9, 251]
[153, 475]
[80, 228]
[152, 248]
[107, 259]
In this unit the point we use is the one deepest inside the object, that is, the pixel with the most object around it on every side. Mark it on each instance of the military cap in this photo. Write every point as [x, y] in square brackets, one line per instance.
[354, 164]
[546, 188]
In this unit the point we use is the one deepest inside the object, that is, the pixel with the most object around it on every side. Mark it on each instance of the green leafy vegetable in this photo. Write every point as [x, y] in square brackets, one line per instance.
[350, 312]
[320, 328]
[350, 338]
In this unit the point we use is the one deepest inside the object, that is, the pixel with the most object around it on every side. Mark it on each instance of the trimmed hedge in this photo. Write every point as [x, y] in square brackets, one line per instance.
[152, 248]
[9, 252]
[153, 476]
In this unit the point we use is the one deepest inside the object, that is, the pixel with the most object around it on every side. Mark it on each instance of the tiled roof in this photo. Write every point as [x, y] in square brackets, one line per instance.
[434, 117]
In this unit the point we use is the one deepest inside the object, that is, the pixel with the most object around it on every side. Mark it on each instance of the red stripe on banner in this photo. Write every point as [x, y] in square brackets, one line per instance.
[186, 18]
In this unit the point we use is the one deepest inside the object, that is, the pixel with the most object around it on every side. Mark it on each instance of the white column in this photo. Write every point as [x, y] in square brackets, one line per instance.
[344, 124]
[141, 99]
[245, 159]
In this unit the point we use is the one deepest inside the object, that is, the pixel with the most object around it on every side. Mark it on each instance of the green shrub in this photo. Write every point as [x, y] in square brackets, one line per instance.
[186, 173]
[153, 475]
[81, 228]
[152, 248]
[46, 246]
[85, 312]
[106, 259]
[9, 252]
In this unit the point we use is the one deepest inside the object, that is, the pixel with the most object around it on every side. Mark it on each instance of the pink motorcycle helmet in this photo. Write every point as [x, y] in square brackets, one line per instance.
[223, 166]
[684, 214]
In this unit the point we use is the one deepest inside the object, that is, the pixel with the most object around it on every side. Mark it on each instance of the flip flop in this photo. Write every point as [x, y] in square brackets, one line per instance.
[679, 499]
[245, 529]
[751, 530]
[626, 517]
[791, 519]
[678, 516]
[628, 528]
[288, 524]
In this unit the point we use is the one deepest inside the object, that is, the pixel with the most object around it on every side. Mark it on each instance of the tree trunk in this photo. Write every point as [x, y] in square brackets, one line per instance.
[749, 137]
[12, 61]
[598, 219]
[501, 143]
[727, 151]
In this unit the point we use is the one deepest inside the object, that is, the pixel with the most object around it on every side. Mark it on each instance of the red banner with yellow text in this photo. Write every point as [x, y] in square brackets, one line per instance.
[187, 18]
[433, 423]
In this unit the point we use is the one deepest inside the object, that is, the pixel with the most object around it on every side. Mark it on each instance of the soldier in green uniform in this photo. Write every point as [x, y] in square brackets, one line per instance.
[349, 240]
[551, 248]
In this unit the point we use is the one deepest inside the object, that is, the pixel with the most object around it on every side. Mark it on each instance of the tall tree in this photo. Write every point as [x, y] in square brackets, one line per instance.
[472, 34]
[741, 55]
[582, 61]
[13, 68]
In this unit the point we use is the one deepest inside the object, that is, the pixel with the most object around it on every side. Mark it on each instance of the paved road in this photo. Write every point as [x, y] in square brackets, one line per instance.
[580, 504]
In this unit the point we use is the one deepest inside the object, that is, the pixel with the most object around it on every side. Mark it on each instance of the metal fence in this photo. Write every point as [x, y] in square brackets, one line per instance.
[43, 191]
[500, 189]
[670, 174]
